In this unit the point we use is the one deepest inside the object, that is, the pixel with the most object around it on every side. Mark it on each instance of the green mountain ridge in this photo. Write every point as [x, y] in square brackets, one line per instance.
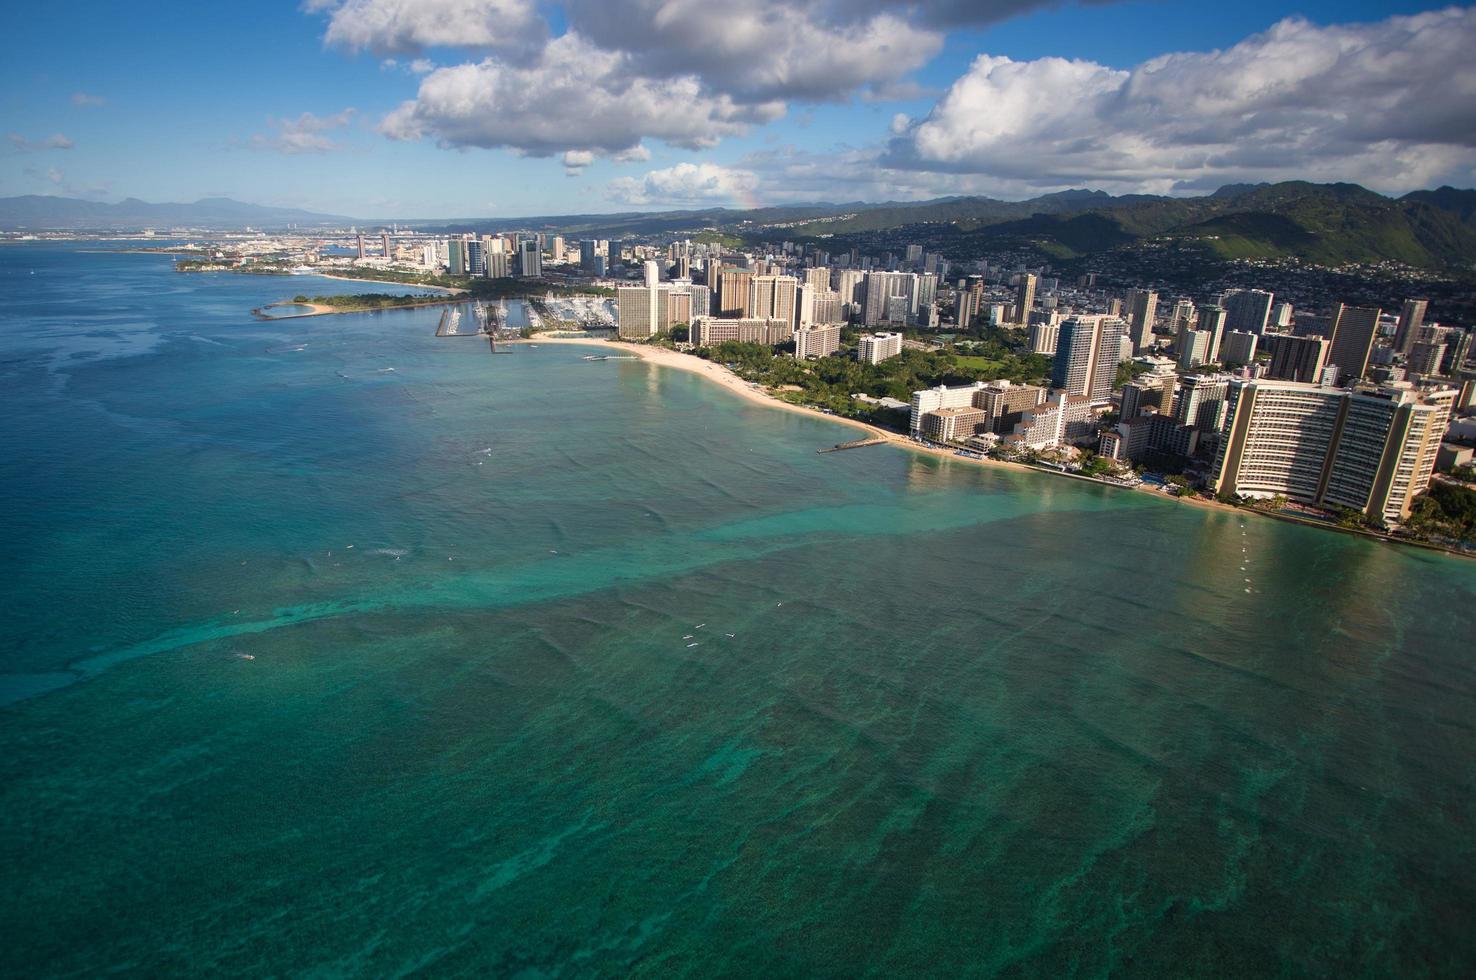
[1327, 224]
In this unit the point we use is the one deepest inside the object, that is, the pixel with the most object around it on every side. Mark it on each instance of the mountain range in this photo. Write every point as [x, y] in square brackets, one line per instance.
[1329, 224]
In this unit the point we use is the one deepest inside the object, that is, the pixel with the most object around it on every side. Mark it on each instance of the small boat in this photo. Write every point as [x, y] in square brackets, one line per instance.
[691, 645]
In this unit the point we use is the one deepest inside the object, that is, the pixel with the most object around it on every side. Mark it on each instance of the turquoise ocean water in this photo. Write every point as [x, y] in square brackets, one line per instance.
[930, 719]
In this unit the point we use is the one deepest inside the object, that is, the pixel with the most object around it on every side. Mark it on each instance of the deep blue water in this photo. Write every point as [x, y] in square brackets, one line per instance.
[966, 722]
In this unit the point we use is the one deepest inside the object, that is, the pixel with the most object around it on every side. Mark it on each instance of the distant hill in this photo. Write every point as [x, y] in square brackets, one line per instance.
[39, 212]
[1329, 224]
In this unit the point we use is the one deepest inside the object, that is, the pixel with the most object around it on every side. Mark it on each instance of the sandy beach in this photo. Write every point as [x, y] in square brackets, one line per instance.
[386, 282]
[664, 357]
[718, 374]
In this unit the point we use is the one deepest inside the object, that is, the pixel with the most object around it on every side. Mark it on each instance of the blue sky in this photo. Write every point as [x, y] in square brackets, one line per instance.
[176, 101]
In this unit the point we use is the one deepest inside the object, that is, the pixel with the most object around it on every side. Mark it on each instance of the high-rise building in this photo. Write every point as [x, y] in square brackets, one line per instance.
[733, 293]
[1411, 319]
[1212, 320]
[817, 278]
[1004, 403]
[1296, 358]
[1154, 391]
[1248, 310]
[499, 265]
[1045, 334]
[1425, 357]
[1352, 337]
[588, 250]
[873, 348]
[1201, 401]
[1142, 308]
[361, 246]
[1025, 298]
[881, 287]
[456, 257]
[817, 340]
[1369, 449]
[773, 297]
[476, 259]
[643, 311]
[1087, 351]
[970, 301]
[1238, 347]
[1194, 348]
[530, 259]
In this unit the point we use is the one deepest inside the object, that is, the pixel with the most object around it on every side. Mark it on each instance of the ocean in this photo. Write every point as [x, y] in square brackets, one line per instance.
[334, 648]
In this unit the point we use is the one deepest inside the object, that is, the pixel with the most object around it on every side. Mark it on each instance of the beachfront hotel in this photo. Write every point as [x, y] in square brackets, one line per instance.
[1369, 449]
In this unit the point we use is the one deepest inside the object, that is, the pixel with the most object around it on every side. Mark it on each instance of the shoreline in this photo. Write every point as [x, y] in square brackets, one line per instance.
[378, 282]
[663, 357]
[324, 309]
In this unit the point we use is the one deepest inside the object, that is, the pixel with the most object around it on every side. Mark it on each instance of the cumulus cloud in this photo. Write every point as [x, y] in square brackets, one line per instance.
[761, 50]
[575, 162]
[718, 70]
[305, 134]
[385, 27]
[575, 97]
[55, 141]
[685, 183]
[85, 101]
[1387, 104]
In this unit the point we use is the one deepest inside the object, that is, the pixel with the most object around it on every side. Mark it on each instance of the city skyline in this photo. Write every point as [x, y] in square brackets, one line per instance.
[432, 110]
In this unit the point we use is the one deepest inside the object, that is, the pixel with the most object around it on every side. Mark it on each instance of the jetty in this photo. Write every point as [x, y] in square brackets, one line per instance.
[853, 444]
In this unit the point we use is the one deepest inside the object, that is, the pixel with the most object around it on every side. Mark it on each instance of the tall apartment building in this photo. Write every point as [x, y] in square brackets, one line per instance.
[361, 246]
[476, 257]
[733, 292]
[1045, 336]
[1201, 401]
[881, 287]
[1296, 358]
[1248, 310]
[1212, 320]
[1238, 347]
[1025, 298]
[817, 340]
[384, 245]
[1194, 348]
[1146, 391]
[1411, 319]
[709, 330]
[1087, 354]
[1371, 449]
[642, 311]
[873, 348]
[499, 264]
[1352, 335]
[530, 259]
[456, 257]
[970, 302]
[773, 297]
[818, 278]
[1142, 308]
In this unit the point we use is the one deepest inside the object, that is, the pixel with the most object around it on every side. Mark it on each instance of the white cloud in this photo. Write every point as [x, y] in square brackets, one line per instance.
[575, 97]
[305, 134]
[683, 71]
[575, 162]
[386, 27]
[85, 101]
[760, 50]
[1387, 104]
[685, 183]
[56, 141]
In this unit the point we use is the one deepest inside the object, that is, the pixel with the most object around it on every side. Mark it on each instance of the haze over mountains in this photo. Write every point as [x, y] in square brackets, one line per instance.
[1324, 223]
